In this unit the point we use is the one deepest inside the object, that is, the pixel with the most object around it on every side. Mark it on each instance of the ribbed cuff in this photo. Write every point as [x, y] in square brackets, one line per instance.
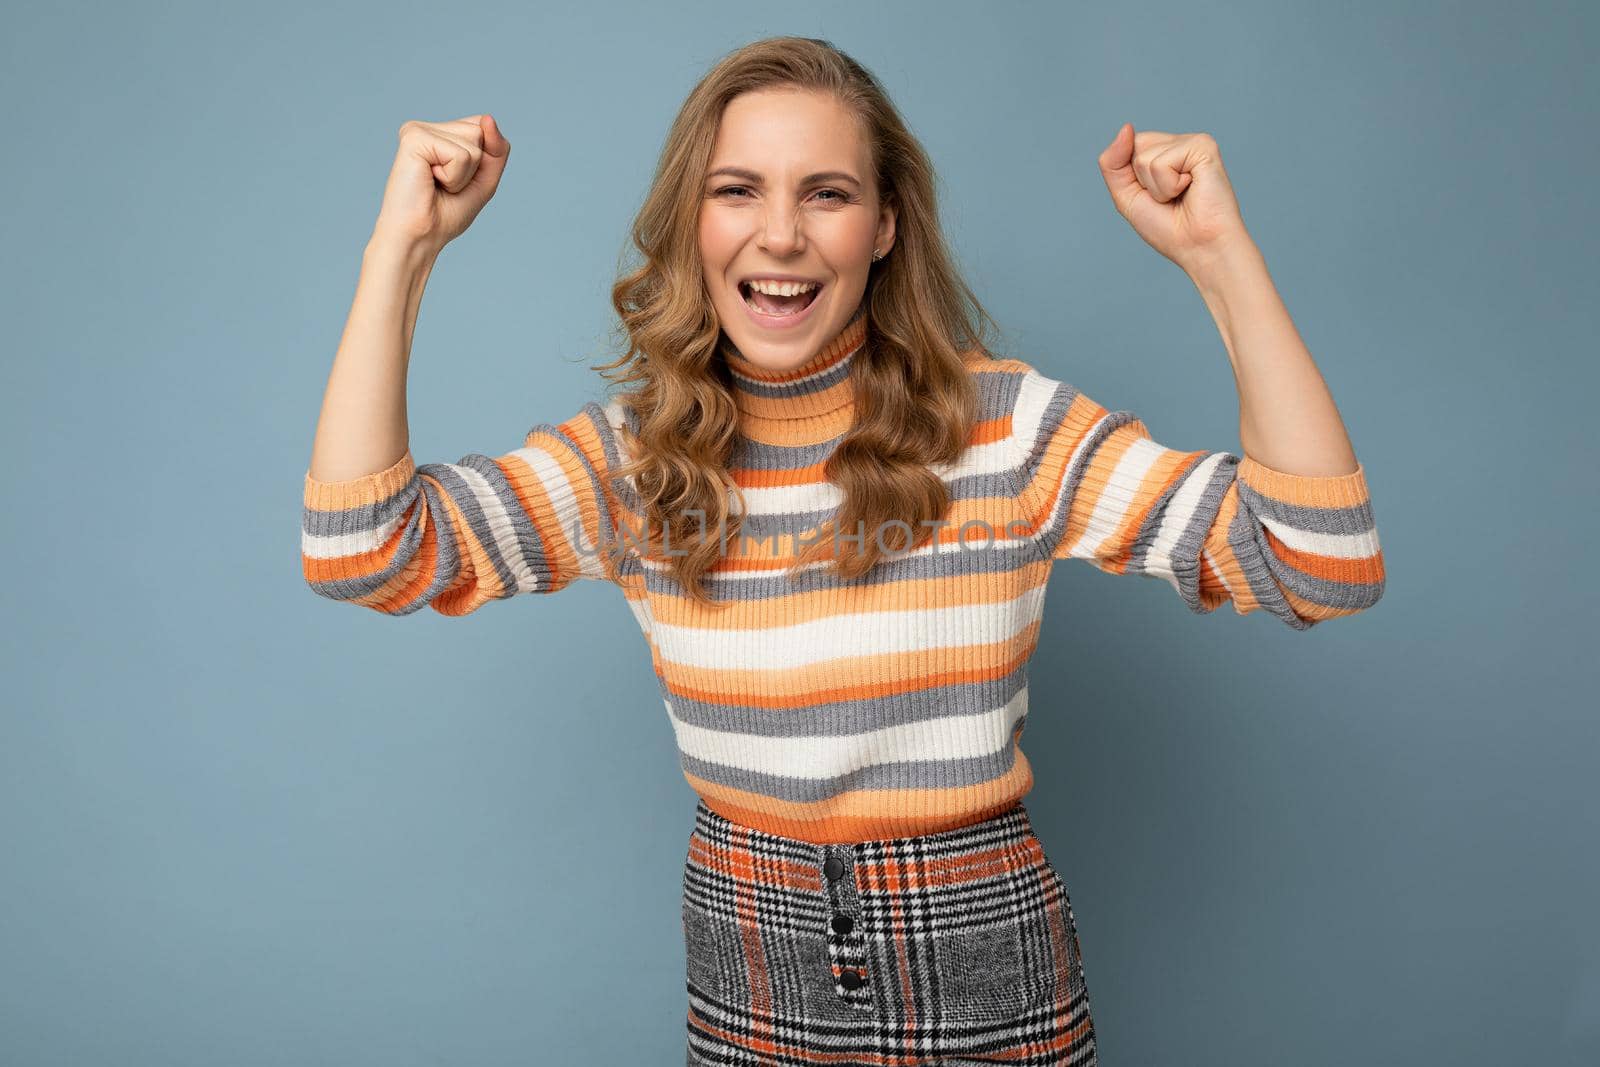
[367, 489]
[1321, 491]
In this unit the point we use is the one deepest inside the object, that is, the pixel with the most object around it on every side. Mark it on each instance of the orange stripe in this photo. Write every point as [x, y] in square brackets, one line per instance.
[922, 594]
[1330, 568]
[1334, 490]
[557, 535]
[895, 876]
[995, 519]
[476, 583]
[773, 871]
[791, 432]
[1048, 481]
[849, 678]
[988, 431]
[1223, 557]
[750, 478]
[1113, 554]
[412, 580]
[358, 564]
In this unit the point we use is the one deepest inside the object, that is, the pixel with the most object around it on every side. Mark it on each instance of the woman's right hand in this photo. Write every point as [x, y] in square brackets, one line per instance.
[443, 174]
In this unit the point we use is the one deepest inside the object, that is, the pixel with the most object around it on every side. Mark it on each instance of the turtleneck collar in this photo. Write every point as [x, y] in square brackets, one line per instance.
[820, 386]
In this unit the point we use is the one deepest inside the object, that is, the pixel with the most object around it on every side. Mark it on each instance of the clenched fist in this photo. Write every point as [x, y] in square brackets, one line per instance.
[443, 174]
[1174, 192]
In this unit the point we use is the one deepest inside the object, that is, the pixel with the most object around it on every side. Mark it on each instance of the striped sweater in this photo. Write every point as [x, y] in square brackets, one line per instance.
[839, 711]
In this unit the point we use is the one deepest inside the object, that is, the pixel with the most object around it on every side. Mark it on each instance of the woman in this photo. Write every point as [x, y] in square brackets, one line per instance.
[833, 512]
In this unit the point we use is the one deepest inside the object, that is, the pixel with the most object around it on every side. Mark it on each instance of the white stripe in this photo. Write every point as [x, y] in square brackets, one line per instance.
[847, 636]
[354, 543]
[499, 521]
[713, 577]
[955, 737]
[567, 516]
[789, 499]
[1180, 510]
[992, 457]
[495, 514]
[1033, 396]
[791, 541]
[1337, 546]
[1098, 541]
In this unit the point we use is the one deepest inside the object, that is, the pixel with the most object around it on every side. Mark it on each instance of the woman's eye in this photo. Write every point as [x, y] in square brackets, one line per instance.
[727, 190]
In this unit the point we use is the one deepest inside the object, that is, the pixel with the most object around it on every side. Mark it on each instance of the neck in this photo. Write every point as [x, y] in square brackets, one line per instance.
[821, 387]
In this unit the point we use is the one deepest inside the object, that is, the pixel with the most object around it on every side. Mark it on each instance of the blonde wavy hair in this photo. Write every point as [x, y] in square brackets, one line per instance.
[916, 403]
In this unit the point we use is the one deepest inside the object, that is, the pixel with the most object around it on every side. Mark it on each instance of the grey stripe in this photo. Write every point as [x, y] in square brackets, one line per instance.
[997, 560]
[595, 490]
[994, 485]
[624, 488]
[1335, 520]
[906, 774]
[1054, 527]
[449, 553]
[767, 456]
[782, 390]
[1055, 412]
[1186, 553]
[832, 718]
[362, 518]
[998, 392]
[1268, 576]
[530, 546]
[1150, 527]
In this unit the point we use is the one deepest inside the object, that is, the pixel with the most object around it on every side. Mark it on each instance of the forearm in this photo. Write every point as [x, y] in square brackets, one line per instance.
[1287, 417]
[362, 428]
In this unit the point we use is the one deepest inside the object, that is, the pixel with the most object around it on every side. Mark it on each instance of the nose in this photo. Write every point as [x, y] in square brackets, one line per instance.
[780, 231]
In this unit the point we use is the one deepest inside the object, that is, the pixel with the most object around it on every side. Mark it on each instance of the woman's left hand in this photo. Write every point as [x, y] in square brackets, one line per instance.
[1173, 191]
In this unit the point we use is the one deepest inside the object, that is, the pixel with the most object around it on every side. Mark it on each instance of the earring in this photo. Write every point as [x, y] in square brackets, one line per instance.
[876, 255]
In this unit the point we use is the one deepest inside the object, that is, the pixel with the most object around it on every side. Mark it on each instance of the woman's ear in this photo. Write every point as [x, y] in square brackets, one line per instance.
[885, 237]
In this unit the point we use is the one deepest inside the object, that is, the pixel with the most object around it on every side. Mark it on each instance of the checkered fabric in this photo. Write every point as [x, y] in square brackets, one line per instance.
[950, 948]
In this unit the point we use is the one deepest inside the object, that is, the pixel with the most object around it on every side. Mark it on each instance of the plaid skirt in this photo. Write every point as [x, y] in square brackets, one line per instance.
[951, 948]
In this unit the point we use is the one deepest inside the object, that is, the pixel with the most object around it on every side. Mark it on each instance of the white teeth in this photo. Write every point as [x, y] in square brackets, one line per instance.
[781, 288]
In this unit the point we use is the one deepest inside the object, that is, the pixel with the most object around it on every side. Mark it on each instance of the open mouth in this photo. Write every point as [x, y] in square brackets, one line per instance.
[778, 306]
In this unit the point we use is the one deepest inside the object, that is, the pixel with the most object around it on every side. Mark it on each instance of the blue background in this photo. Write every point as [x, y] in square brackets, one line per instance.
[242, 824]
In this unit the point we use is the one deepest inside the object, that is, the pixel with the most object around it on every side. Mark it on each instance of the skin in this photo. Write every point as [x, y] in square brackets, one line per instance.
[1172, 189]
[771, 221]
[442, 176]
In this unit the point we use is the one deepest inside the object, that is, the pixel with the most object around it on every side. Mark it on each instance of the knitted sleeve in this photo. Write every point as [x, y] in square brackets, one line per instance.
[454, 536]
[1213, 526]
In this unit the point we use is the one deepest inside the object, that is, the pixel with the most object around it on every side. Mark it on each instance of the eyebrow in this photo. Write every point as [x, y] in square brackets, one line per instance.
[755, 179]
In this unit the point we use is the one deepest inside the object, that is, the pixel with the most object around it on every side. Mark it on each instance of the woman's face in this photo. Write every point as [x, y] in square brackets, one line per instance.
[789, 194]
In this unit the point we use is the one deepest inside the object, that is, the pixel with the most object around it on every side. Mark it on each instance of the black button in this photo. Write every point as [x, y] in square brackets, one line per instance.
[833, 868]
[842, 924]
[851, 980]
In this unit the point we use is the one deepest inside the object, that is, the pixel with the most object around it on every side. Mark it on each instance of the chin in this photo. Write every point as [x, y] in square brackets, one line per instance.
[777, 350]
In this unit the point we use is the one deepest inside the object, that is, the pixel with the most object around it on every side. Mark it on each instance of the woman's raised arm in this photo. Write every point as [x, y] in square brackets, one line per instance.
[443, 174]
[378, 530]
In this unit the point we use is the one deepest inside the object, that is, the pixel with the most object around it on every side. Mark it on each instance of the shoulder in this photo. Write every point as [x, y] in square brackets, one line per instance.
[1026, 404]
[1006, 384]
[594, 432]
